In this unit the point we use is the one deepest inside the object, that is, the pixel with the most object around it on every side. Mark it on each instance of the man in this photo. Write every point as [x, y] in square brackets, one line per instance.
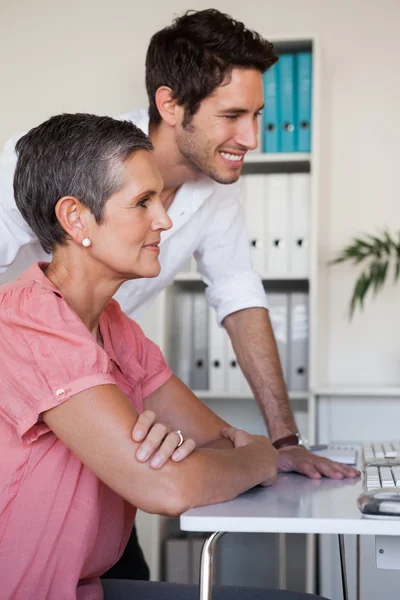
[204, 83]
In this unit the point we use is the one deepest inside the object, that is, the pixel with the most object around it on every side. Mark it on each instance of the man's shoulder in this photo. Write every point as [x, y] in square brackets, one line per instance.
[139, 117]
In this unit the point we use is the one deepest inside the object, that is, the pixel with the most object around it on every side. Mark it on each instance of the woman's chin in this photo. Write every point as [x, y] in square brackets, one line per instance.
[149, 273]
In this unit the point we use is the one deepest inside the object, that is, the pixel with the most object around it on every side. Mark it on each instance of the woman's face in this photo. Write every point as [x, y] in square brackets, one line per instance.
[127, 240]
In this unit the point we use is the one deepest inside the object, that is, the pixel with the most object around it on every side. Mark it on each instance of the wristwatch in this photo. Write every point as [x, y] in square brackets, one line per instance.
[290, 440]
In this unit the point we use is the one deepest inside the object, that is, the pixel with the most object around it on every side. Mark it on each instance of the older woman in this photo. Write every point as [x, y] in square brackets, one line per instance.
[76, 373]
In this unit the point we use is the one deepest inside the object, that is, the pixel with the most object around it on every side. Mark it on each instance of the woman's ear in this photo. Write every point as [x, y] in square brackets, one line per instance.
[72, 216]
[167, 107]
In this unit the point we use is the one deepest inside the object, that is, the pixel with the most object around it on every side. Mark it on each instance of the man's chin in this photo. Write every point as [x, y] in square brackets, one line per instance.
[225, 178]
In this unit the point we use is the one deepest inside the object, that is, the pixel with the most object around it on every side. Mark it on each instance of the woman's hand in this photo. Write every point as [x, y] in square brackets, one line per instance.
[241, 438]
[158, 442]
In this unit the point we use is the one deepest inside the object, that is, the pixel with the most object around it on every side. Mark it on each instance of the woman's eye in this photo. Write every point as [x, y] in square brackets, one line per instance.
[143, 203]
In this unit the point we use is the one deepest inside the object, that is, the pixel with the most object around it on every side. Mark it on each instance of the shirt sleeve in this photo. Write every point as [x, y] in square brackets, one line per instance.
[14, 231]
[47, 356]
[223, 257]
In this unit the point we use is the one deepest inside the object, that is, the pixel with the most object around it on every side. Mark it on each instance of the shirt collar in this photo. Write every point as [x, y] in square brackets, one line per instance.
[36, 273]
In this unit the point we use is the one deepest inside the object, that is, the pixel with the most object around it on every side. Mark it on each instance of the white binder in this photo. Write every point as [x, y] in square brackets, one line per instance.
[298, 343]
[199, 369]
[236, 381]
[182, 338]
[254, 212]
[277, 225]
[300, 224]
[279, 316]
[217, 355]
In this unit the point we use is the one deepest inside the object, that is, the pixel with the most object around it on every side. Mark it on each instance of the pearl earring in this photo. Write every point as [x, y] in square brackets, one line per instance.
[86, 242]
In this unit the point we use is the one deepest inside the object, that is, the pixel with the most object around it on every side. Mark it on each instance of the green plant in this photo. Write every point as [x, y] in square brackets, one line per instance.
[376, 254]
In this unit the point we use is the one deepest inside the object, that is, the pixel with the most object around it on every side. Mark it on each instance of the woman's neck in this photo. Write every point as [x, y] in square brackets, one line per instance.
[86, 293]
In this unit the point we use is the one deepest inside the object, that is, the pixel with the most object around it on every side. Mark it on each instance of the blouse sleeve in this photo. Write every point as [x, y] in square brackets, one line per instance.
[47, 356]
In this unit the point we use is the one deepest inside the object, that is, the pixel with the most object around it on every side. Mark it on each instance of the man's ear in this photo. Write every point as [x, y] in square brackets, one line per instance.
[71, 215]
[167, 107]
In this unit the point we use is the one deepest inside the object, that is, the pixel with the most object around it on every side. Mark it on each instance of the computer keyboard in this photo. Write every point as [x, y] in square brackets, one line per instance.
[381, 482]
[343, 453]
[373, 450]
[381, 477]
[381, 465]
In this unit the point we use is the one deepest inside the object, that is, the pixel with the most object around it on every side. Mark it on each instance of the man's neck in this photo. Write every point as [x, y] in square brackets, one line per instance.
[174, 169]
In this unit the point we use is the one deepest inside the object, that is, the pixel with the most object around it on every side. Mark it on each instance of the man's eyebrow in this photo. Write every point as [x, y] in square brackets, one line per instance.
[237, 110]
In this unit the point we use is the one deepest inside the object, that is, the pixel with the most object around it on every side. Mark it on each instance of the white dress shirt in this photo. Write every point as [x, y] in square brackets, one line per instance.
[207, 222]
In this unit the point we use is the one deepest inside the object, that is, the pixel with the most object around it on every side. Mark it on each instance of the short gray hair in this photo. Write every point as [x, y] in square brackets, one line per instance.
[76, 155]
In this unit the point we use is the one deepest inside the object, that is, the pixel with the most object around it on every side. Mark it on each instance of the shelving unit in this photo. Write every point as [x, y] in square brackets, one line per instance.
[239, 407]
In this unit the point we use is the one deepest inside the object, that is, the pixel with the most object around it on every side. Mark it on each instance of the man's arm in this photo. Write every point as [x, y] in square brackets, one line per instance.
[254, 343]
[14, 232]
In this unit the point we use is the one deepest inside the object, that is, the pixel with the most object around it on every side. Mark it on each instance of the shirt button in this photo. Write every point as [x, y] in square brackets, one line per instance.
[60, 393]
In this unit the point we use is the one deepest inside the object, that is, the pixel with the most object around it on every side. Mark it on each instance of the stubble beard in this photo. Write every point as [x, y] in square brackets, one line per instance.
[200, 155]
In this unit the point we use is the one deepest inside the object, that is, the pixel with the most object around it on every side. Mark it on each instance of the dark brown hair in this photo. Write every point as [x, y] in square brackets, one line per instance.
[195, 54]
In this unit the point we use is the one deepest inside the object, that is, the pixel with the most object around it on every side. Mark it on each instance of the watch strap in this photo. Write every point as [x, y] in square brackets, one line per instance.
[289, 440]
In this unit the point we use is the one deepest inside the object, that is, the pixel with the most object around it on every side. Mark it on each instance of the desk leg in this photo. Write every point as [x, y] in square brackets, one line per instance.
[281, 547]
[358, 569]
[343, 567]
[206, 565]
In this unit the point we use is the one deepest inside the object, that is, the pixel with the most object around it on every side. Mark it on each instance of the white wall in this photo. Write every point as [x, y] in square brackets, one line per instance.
[88, 55]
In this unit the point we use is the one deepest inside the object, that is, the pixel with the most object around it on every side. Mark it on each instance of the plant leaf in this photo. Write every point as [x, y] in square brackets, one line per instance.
[359, 292]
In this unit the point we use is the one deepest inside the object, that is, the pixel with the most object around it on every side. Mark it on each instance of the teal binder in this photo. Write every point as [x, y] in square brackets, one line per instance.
[304, 87]
[270, 134]
[287, 112]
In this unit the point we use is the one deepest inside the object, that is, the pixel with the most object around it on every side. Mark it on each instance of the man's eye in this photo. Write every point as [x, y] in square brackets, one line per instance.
[231, 117]
[143, 202]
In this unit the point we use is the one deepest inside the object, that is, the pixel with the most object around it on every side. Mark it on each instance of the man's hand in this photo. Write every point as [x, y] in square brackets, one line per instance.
[241, 438]
[158, 442]
[300, 460]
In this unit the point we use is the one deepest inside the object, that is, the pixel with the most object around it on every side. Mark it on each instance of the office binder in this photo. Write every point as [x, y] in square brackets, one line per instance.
[216, 355]
[270, 130]
[236, 382]
[254, 212]
[298, 342]
[299, 208]
[182, 356]
[199, 368]
[279, 316]
[287, 116]
[277, 224]
[304, 87]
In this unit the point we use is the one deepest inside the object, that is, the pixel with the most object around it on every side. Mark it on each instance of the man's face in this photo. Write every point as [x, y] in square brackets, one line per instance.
[224, 128]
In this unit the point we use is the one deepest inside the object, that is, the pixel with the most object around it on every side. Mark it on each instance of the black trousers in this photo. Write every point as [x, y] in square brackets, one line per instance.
[132, 564]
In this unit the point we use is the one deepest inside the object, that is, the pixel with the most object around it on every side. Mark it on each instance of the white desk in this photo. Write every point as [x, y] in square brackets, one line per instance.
[295, 504]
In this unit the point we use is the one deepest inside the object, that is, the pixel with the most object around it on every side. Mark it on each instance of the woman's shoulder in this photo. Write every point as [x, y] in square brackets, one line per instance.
[31, 297]
[21, 294]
